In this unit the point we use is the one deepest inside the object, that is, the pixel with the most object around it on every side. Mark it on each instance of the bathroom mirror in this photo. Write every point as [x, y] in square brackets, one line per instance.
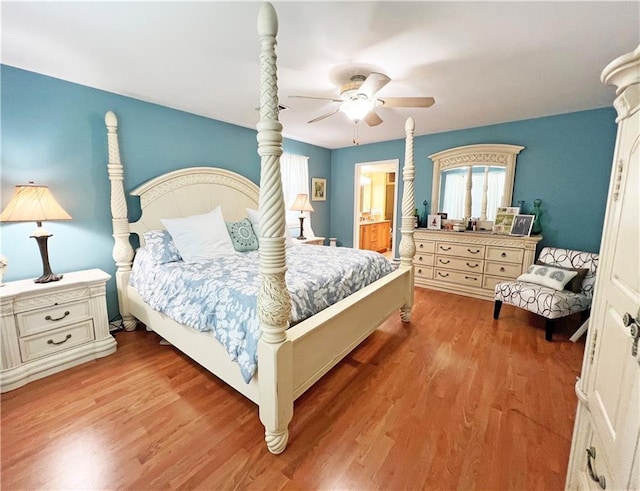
[473, 180]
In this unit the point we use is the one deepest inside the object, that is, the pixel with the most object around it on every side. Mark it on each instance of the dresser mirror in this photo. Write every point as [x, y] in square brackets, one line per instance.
[473, 180]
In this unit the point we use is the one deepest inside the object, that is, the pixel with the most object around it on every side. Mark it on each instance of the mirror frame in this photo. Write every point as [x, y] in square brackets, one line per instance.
[493, 154]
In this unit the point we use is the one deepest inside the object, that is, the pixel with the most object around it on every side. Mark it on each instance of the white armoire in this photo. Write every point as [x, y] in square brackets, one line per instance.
[605, 447]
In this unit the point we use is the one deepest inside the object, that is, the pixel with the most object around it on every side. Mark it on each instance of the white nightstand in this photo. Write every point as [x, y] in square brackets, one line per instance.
[49, 327]
[311, 240]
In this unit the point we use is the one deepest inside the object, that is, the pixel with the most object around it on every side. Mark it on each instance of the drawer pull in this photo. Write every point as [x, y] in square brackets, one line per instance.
[442, 261]
[473, 265]
[470, 278]
[421, 246]
[474, 252]
[420, 258]
[419, 271]
[67, 338]
[501, 269]
[49, 318]
[445, 248]
[591, 454]
[504, 254]
[443, 275]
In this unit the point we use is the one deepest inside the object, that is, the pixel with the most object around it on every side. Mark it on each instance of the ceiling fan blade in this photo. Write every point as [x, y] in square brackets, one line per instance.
[408, 101]
[320, 118]
[373, 119]
[372, 84]
[311, 97]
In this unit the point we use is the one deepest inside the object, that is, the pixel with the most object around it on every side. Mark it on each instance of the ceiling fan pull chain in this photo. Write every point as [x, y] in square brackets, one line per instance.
[356, 136]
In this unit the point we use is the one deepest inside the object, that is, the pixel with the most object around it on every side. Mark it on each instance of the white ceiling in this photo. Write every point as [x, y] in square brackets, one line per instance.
[483, 62]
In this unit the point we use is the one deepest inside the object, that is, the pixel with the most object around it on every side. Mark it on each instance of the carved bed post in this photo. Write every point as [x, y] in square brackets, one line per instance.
[275, 355]
[122, 250]
[407, 244]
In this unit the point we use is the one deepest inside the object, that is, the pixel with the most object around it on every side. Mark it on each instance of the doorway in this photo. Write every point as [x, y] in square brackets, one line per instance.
[375, 206]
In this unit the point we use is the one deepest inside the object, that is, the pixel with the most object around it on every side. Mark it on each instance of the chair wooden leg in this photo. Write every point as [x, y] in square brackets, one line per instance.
[496, 308]
[548, 329]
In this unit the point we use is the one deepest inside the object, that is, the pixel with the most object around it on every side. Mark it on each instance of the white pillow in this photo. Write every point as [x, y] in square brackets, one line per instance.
[254, 218]
[200, 237]
[548, 276]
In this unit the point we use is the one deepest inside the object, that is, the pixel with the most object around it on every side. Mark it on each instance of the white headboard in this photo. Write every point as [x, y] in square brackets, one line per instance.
[193, 191]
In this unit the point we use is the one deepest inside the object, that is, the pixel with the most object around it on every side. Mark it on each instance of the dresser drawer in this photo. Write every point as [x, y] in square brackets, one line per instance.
[425, 246]
[423, 260]
[423, 272]
[43, 344]
[506, 270]
[469, 265]
[505, 254]
[490, 282]
[460, 250]
[460, 278]
[48, 318]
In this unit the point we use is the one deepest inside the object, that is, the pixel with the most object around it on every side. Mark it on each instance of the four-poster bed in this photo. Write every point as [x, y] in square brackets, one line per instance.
[290, 359]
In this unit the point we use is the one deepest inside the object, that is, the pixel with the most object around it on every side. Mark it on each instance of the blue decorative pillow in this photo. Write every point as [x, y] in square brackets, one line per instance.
[242, 235]
[160, 244]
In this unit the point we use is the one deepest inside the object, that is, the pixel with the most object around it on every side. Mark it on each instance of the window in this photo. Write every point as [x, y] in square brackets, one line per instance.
[294, 170]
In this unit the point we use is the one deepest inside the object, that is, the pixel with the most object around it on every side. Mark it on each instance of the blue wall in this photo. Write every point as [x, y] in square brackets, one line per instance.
[566, 163]
[53, 133]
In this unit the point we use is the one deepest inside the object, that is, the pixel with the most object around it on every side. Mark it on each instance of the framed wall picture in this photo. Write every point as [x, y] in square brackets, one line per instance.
[318, 189]
[434, 222]
[522, 225]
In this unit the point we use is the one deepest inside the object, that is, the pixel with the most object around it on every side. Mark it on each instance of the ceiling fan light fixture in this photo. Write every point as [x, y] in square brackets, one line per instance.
[357, 109]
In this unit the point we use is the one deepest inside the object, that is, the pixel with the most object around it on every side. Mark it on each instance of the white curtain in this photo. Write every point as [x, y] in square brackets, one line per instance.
[453, 199]
[495, 190]
[295, 180]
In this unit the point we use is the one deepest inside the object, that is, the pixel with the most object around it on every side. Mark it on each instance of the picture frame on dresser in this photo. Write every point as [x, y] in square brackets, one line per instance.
[504, 220]
[434, 222]
[522, 225]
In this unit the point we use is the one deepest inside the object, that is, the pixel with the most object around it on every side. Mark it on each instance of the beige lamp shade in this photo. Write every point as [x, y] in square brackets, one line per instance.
[302, 203]
[33, 203]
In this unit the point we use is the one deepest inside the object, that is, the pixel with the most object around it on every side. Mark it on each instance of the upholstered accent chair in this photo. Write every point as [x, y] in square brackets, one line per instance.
[559, 284]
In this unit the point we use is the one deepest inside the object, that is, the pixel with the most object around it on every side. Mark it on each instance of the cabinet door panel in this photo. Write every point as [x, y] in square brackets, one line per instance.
[614, 382]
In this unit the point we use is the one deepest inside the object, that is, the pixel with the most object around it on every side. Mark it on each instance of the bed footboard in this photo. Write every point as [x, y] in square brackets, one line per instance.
[321, 341]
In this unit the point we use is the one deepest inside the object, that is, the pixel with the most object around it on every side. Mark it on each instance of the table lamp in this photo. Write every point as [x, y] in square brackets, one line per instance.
[301, 204]
[33, 203]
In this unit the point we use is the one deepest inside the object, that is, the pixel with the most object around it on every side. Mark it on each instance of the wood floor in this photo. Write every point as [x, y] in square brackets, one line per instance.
[454, 400]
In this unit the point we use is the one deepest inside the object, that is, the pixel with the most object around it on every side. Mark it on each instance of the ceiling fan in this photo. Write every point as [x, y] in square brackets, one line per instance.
[358, 99]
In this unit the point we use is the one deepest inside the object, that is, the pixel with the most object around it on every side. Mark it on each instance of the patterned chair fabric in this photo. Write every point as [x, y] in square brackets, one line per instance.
[547, 302]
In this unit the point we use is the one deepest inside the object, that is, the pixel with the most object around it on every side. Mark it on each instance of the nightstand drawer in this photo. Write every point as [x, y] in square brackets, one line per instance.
[42, 320]
[46, 343]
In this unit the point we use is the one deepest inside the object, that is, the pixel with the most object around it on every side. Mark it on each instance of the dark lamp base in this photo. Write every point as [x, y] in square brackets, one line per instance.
[301, 236]
[46, 278]
[47, 274]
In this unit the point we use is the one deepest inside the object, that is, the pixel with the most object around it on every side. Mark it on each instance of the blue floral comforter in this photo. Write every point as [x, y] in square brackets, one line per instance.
[221, 295]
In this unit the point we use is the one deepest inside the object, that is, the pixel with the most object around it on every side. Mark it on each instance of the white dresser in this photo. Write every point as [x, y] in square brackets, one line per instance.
[49, 327]
[470, 263]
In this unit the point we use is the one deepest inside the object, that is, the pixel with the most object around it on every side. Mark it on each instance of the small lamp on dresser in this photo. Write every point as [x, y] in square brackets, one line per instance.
[301, 204]
[34, 203]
